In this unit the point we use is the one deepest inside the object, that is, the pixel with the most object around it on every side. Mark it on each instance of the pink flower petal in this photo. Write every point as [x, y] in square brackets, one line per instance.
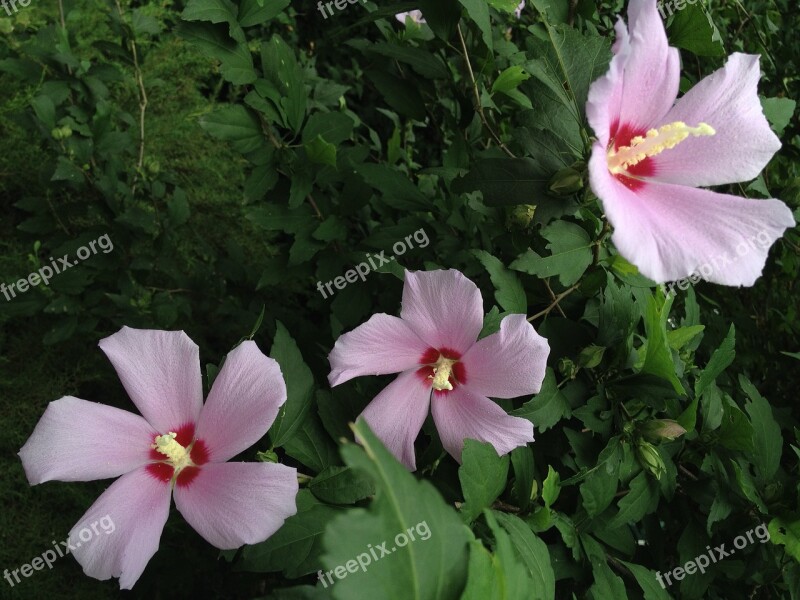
[76, 440]
[671, 231]
[605, 94]
[444, 308]
[743, 144]
[232, 504]
[382, 345]
[243, 403]
[125, 524]
[508, 363]
[161, 373]
[461, 415]
[396, 415]
[651, 71]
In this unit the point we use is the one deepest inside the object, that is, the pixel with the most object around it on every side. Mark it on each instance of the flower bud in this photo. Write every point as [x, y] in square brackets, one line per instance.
[566, 182]
[662, 429]
[650, 459]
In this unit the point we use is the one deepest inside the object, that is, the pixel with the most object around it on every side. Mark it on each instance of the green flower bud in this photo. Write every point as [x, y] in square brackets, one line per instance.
[650, 459]
[566, 182]
[520, 217]
[267, 456]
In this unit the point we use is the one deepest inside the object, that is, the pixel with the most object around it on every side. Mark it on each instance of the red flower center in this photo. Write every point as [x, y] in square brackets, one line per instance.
[178, 456]
[443, 369]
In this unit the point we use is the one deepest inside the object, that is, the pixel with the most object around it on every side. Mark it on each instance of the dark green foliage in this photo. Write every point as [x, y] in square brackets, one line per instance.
[280, 149]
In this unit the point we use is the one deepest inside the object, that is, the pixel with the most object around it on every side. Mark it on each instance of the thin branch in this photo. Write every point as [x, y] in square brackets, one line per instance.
[477, 95]
[556, 301]
[142, 94]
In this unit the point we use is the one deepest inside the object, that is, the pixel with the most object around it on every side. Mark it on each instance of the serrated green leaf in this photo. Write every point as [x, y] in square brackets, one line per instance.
[299, 387]
[482, 475]
[508, 290]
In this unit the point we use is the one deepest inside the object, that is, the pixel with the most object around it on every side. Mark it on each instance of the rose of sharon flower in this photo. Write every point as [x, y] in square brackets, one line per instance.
[433, 346]
[180, 446]
[414, 15]
[653, 153]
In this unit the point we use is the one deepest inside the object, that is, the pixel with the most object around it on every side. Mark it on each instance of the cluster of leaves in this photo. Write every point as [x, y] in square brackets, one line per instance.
[350, 133]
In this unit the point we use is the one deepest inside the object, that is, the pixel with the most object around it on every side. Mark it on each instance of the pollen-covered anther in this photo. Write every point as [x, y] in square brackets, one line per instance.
[177, 456]
[441, 374]
[653, 144]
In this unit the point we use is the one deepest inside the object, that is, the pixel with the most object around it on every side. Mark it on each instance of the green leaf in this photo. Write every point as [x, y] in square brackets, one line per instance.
[779, 112]
[557, 11]
[433, 566]
[483, 477]
[600, 485]
[505, 181]
[571, 254]
[478, 11]
[509, 79]
[321, 152]
[678, 338]
[398, 192]
[522, 462]
[767, 438]
[648, 582]
[212, 40]
[641, 499]
[341, 485]
[333, 127]
[234, 123]
[693, 29]
[568, 63]
[296, 547]
[485, 578]
[547, 407]
[502, 576]
[785, 531]
[299, 387]
[280, 67]
[720, 360]
[442, 16]
[255, 12]
[551, 487]
[312, 446]
[508, 290]
[425, 63]
[736, 431]
[658, 358]
[215, 11]
[508, 6]
[532, 552]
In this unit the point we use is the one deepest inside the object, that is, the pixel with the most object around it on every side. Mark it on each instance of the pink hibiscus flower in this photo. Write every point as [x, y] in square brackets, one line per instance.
[433, 346]
[180, 446]
[653, 152]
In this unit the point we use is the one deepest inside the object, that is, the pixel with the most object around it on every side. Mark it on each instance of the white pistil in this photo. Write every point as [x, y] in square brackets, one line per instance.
[441, 374]
[177, 456]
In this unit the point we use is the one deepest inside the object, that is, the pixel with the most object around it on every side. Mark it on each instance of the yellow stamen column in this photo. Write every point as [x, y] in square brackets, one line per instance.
[655, 142]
